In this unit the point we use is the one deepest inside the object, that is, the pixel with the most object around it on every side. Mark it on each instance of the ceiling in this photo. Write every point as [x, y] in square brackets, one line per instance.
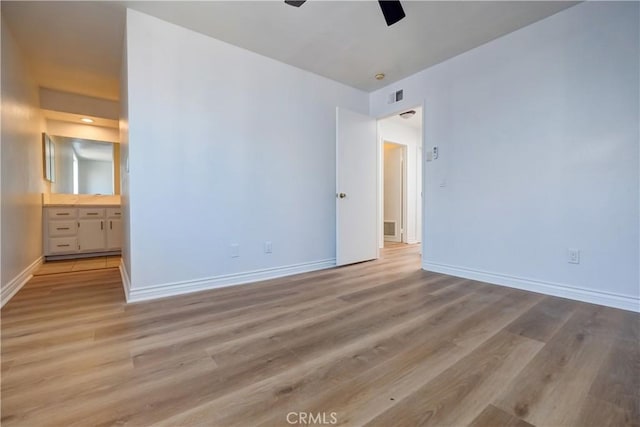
[71, 47]
[77, 46]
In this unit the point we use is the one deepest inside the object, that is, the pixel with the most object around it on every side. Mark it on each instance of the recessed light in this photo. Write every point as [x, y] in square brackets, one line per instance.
[379, 76]
[86, 120]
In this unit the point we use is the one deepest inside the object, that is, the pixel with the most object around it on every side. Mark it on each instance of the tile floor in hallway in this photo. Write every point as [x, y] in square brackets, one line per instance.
[79, 264]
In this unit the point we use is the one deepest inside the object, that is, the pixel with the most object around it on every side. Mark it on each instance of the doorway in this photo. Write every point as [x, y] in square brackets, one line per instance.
[400, 178]
[360, 182]
[394, 194]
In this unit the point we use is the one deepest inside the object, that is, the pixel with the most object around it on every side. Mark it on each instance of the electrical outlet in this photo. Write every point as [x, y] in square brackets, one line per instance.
[573, 256]
[268, 247]
[234, 250]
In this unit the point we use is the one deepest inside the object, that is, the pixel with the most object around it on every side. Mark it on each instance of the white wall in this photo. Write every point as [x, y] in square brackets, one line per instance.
[392, 188]
[21, 170]
[95, 177]
[123, 159]
[226, 146]
[391, 129]
[538, 136]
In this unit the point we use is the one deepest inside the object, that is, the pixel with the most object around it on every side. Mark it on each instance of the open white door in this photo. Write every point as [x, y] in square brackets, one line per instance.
[356, 195]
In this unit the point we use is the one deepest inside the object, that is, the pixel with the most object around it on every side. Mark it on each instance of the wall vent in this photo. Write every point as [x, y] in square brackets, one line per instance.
[390, 228]
[396, 96]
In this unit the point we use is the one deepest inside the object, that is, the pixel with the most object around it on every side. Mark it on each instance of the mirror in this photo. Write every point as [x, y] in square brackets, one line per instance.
[81, 166]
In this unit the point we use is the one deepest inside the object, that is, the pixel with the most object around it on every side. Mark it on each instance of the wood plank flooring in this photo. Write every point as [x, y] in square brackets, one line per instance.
[378, 344]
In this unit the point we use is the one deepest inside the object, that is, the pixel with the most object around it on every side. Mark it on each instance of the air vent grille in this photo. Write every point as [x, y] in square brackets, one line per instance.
[396, 96]
[389, 228]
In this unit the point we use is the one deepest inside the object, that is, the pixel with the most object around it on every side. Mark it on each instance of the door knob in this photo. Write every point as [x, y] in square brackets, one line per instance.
[342, 195]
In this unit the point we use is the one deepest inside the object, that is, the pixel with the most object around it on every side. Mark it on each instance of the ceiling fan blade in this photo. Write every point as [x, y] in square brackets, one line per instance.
[296, 3]
[392, 11]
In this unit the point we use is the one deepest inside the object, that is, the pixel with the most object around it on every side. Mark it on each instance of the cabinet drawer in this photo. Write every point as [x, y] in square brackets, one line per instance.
[114, 212]
[61, 213]
[91, 212]
[58, 245]
[62, 228]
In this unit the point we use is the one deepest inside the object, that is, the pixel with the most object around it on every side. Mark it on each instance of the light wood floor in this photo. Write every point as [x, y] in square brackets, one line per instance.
[379, 344]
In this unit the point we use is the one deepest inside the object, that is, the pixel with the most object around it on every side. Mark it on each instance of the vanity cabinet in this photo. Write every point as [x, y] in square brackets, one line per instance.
[82, 230]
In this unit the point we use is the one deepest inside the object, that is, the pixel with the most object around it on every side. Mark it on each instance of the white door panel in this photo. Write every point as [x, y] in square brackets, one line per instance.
[356, 192]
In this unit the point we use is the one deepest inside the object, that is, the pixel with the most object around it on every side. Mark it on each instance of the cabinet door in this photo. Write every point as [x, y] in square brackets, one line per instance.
[114, 234]
[91, 235]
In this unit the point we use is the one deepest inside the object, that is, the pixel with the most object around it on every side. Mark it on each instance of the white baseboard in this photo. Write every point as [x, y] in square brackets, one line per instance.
[188, 286]
[19, 281]
[548, 288]
[126, 283]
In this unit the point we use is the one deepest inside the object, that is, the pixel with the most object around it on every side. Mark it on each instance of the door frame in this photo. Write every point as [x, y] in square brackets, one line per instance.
[422, 178]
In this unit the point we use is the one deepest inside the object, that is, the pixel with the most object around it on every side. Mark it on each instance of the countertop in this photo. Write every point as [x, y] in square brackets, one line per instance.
[57, 200]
